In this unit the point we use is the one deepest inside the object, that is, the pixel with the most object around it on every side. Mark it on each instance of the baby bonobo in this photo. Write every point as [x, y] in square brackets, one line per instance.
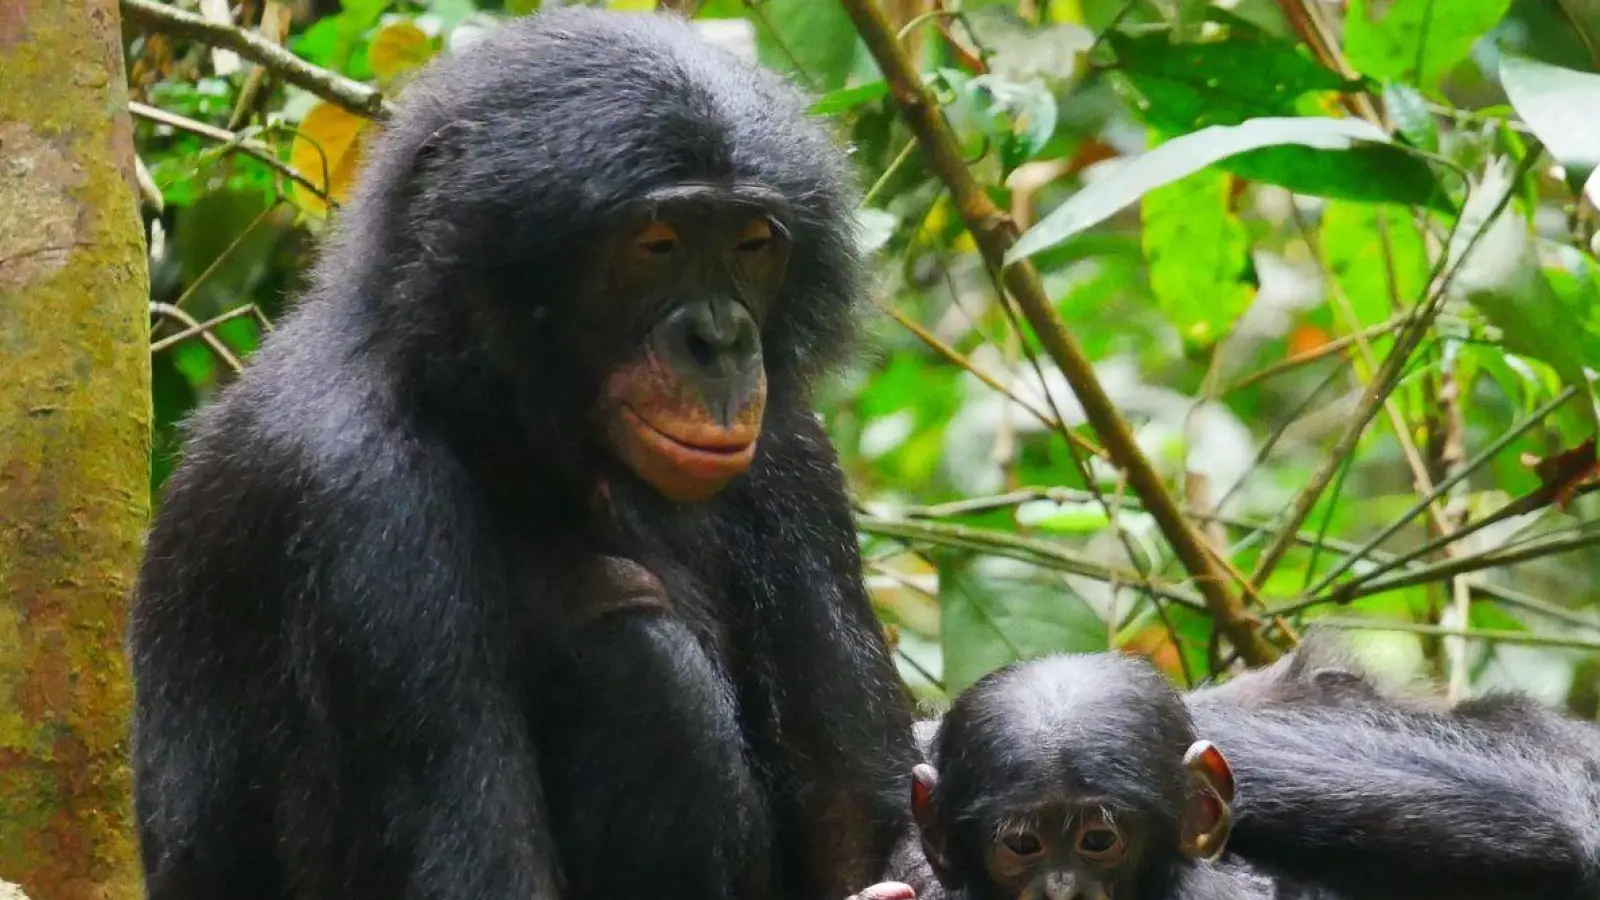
[1078, 777]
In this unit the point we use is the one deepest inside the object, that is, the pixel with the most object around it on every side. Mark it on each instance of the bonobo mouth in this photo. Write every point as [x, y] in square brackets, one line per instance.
[713, 454]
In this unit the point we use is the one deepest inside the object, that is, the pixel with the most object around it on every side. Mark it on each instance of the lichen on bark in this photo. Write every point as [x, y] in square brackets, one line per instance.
[74, 448]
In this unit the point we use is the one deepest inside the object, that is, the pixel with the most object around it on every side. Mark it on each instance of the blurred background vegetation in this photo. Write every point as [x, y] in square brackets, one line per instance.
[1364, 423]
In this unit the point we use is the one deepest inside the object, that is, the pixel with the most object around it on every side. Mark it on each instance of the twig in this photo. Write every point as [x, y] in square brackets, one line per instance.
[1477, 462]
[995, 234]
[168, 311]
[202, 327]
[1480, 634]
[1427, 574]
[1378, 390]
[1336, 346]
[359, 98]
[229, 140]
[1030, 550]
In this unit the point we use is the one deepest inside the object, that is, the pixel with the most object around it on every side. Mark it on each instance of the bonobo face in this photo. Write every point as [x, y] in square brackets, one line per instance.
[1062, 851]
[698, 267]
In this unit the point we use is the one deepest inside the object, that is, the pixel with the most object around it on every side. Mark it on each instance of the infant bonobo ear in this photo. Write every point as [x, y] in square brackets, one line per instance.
[1206, 818]
[924, 778]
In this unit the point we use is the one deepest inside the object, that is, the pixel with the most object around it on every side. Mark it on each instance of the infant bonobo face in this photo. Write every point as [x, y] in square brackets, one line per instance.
[1073, 778]
[1059, 851]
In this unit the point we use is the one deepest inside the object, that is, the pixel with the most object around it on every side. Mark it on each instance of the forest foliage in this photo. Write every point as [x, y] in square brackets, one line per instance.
[1332, 263]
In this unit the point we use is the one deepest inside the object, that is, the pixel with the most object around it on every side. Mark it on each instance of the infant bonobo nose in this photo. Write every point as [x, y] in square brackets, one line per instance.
[716, 336]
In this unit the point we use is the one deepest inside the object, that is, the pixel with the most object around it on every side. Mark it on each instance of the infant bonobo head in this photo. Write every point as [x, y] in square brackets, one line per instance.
[1070, 778]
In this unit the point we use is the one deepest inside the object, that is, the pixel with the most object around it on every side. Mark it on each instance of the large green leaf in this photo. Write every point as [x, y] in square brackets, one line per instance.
[1502, 278]
[997, 611]
[1190, 86]
[1184, 156]
[1199, 255]
[1416, 40]
[814, 39]
[1377, 256]
[1561, 107]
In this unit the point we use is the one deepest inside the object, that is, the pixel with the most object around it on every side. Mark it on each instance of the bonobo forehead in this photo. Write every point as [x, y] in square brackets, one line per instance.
[1071, 725]
[583, 110]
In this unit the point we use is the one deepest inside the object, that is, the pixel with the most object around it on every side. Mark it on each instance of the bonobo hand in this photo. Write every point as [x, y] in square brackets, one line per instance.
[886, 890]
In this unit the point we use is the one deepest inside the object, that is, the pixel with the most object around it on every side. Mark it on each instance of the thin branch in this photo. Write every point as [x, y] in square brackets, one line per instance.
[995, 234]
[1382, 384]
[199, 328]
[1336, 346]
[1482, 458]
[1030, 550]
[229, 140]
[1481, 634]
[1507, 556]
[168, 311]
[361, 99]
[956, 357]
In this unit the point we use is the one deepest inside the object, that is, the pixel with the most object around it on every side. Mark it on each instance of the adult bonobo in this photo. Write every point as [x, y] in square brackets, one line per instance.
[516, 565]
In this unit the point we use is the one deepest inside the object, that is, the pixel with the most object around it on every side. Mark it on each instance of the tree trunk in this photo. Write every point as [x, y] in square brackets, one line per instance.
[74, 447]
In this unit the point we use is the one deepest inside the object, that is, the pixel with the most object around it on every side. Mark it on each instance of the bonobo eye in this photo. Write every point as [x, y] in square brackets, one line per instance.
[1022, 843]
[756, 236]
[1099, 842]
[657, 239]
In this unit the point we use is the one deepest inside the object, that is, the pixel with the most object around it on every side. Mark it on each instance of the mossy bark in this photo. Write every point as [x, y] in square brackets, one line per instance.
[74, 447]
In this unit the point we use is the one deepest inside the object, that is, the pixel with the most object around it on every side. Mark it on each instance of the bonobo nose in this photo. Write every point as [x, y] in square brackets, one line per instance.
[716, 337]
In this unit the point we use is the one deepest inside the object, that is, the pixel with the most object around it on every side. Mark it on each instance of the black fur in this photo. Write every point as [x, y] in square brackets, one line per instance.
[1388, 797]
[354, 636]
[1070, 727]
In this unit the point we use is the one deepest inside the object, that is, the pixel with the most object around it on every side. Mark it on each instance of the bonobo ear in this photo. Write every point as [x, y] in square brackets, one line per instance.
[924, 778]
[1206, 819]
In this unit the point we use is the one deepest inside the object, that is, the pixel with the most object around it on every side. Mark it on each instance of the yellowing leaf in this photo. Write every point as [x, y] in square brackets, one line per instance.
[327, 151]
[398, 48]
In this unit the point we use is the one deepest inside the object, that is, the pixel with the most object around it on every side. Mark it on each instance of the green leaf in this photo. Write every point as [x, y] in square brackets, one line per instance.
[844, 99]
[1199, 255]
[1180, 157]
[1187, 87]
[1560, 106]
[1416, 40]
[1019, 117]
[1411, 116]
[1503, 280]
[814, 39]
[874, 228]
[1366, 248]
[997, 611]
[1220, 82]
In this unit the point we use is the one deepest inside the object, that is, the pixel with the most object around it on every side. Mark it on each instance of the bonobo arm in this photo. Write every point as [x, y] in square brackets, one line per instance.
[844, 744]
[323, 708]
[1390, 801]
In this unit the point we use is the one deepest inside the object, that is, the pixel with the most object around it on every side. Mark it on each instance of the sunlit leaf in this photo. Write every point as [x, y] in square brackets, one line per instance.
[1411, 115]
[1190, 86]
[1377, 256]
[1560, 105]
[1183, 156]
[874, 227]
[327, 150]
[835, 102]
[397, 48]
[1199, 255]
[997, 611]
[814, 40]
[1415, 40]
[1502, 278]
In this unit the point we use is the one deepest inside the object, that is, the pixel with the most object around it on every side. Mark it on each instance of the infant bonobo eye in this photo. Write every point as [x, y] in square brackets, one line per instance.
[755, 237]
[657, 239]
[1099, 842]
[1022, 843]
